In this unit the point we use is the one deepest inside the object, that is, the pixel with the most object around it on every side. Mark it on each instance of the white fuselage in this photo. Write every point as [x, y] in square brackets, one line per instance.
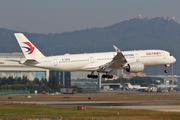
[131, 61]
[92, 61]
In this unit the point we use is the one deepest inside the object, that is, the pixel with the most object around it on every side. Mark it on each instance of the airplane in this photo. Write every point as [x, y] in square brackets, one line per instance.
[105, 62]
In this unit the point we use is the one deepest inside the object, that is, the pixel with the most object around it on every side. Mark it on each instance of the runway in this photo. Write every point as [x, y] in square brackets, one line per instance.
[168, 106]
[159, 106]
[115, 99]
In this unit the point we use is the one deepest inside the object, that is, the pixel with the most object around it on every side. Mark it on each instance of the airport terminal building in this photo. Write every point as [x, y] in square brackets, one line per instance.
[10, 67]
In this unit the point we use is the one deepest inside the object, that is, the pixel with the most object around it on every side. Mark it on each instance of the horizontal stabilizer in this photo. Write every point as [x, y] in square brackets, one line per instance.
[27, 62]
[30, 62]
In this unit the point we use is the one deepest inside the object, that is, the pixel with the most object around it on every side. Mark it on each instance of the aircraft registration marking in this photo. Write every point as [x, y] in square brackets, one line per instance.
[65, 59]
[129, 55]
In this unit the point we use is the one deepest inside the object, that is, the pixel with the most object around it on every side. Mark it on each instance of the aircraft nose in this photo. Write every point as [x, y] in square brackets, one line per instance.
[174, 59]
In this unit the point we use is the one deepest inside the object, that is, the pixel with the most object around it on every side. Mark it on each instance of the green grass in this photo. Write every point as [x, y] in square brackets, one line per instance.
[96, 97]
[32, 111]
[10, 110]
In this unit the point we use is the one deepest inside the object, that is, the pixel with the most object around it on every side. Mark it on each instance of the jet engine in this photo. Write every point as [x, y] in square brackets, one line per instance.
[135, 67]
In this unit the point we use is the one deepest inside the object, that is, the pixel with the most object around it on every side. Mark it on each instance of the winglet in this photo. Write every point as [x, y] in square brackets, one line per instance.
[116, 48]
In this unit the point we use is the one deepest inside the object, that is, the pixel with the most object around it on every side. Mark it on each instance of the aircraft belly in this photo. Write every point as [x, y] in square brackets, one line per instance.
[152, 61]
[78, 66]
[91, 67]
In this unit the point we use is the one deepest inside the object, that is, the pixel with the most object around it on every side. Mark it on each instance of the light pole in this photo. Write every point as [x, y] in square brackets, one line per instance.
[172, 76]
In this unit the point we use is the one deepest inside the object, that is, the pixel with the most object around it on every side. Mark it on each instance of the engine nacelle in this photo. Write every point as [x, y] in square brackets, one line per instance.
[135, 67]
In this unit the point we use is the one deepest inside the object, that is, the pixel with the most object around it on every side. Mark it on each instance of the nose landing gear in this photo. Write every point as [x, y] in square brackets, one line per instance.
[166, 68]
[165, 71]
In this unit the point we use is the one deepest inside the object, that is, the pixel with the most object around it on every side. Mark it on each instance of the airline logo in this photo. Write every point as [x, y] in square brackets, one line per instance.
[29, 47]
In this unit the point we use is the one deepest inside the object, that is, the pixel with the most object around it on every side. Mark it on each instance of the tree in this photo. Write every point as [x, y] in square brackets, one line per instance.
[44, 82]
[36, 81]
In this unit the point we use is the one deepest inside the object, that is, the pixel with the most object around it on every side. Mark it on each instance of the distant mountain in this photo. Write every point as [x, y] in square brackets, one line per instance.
[154, 33]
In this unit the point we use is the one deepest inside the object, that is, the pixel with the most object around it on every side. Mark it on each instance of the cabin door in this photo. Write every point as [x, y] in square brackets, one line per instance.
[91, 59]
[164, 55]
[55, 62]
[137, 57]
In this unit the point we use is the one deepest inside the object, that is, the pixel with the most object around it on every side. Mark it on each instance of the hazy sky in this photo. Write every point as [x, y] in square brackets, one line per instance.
[57, 16]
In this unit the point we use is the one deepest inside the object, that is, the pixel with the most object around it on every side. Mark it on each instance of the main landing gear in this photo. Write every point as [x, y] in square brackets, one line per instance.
[107, 76]
[166, 69]
[92, 75]
[96, 76]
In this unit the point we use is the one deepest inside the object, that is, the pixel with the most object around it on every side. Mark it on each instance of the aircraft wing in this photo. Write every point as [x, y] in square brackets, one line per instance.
[117, 63]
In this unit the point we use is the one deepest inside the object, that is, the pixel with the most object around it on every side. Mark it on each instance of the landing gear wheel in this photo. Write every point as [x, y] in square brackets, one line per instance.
[107, 76]
[165, 71]
[92, 75]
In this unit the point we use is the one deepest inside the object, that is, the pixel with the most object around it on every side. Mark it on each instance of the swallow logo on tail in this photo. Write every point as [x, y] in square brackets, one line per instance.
[29, 47]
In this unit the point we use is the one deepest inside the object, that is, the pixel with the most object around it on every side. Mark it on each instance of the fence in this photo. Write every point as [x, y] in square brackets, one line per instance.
[7, 92]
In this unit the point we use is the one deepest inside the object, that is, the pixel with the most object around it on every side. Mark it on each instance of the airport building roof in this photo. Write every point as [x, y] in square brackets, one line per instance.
[11, 55]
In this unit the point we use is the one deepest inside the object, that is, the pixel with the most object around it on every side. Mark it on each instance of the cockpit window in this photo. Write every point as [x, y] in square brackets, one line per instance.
[170, 54]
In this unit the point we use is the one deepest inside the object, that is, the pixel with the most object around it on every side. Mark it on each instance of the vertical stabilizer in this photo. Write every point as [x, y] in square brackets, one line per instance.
[29, 50]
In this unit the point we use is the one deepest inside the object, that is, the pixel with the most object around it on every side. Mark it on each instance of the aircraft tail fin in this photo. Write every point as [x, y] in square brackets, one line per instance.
[28, 49]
